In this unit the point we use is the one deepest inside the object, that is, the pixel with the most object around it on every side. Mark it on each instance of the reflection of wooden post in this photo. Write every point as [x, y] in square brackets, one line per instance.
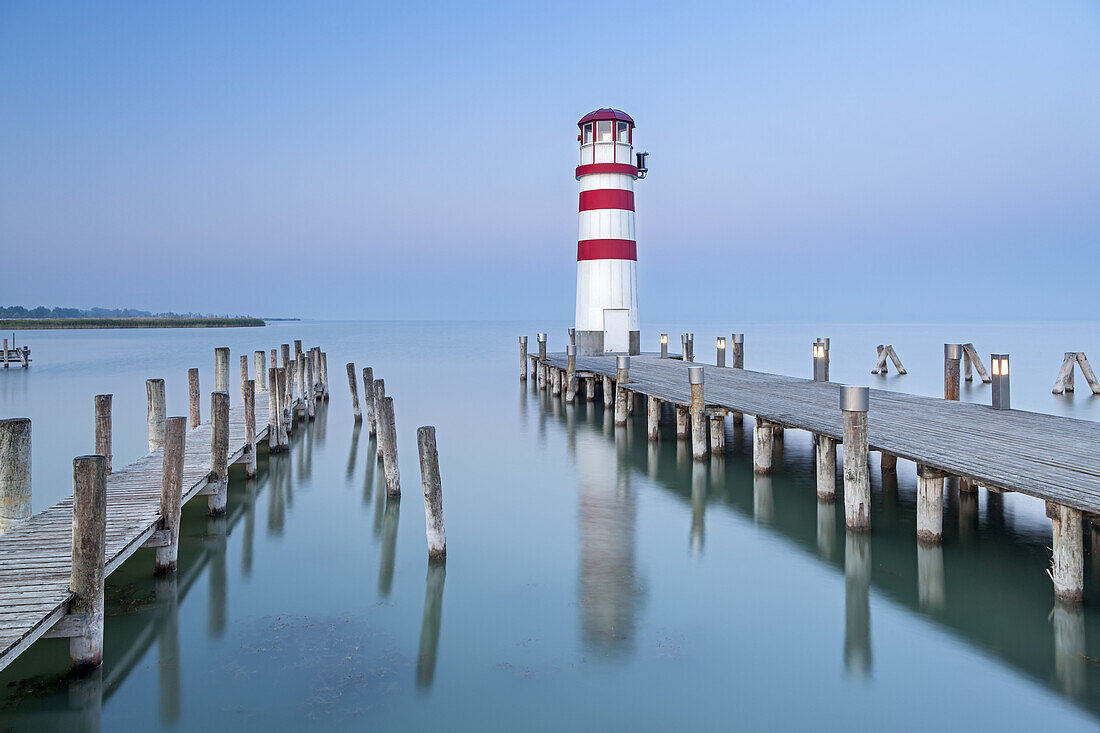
[433, 492]
[430, 624]
[89, 543]
[219, 452]
[15, 471]
[103, 427]
[171, 492]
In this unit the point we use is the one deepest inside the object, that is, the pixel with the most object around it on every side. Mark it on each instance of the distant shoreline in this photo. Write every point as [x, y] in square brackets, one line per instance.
[31, 324]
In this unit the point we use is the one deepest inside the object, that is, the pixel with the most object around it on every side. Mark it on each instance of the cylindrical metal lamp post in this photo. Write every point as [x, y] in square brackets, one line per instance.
[999, 369]
[721, 359]
[664, 345]
[819, 362]
[825, 343]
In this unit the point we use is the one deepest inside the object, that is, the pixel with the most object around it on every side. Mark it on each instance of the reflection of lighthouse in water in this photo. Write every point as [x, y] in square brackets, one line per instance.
[608, 584]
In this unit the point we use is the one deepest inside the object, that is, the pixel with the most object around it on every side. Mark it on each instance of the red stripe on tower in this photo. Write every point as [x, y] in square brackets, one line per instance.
[607, 198]
[607, 249]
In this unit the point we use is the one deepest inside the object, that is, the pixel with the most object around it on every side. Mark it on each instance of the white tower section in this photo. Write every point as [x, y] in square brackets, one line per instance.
[607, 279]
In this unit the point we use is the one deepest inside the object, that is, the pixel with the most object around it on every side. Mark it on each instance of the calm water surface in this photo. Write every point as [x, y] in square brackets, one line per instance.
[594, 581]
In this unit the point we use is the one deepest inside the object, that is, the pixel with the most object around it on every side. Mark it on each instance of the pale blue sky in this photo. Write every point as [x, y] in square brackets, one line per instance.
[865, 159]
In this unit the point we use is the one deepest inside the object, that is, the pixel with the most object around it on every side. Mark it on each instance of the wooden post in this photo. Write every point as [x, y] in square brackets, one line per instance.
[1068, 561]
[103, 427]
[311, 389]
[951, 355]
[300, 385]
[284, 416]
[290, 408]
[880, 363]
[433, 492]
[653, 417]
[89, 544]
[523, 358]
[542, 361]
[555, 382]
[219, 453]
[15, 471]
[379, 396]
[968, 371]
[250, 428]
[888, 462]
[353, 385]
[901, 368]
[929, 505]
[324, 375]
[590, 389]
[5, 360]
[388, 441]
[259, 365]
[826, 467]
[274, 426]
[622, 376]
[608, 391]
[738, 341]
[284, 352]
[571, 374]
[154, 412]
[171, 493]
[698, 418]
[762, 446]
[717, 435]
[368, 397]
[221, 369]
[1086, 370]
[972, 354]
[857, 481]
[244, 372]
[195, 411]
[683, 424]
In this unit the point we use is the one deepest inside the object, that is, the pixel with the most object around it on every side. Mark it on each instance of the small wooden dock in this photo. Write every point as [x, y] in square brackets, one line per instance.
[1052, 458]
[18, 356]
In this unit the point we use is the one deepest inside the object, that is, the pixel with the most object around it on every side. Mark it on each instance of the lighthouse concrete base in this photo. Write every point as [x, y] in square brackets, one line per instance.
[590, 343]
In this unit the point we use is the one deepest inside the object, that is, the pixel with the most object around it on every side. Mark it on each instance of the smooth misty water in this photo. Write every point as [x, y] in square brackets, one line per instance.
[594, 581]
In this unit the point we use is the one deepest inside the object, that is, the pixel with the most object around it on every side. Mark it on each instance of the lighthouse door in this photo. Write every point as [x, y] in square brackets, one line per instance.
[616, 331]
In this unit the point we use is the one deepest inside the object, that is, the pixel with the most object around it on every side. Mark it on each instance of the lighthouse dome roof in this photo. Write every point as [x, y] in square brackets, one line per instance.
[606, 113]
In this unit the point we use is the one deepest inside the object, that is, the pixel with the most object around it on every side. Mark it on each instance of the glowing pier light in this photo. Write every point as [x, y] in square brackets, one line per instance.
[999, 372]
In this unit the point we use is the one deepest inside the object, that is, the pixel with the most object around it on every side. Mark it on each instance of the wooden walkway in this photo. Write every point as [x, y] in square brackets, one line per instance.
[1053, 458]
[36, 554]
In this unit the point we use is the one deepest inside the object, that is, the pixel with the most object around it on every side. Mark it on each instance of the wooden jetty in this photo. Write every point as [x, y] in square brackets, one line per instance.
[18, 356]
[1049, 457]
[51, 585]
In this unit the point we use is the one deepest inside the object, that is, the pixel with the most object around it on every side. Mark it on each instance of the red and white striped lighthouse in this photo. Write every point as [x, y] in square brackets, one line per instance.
[607, 277]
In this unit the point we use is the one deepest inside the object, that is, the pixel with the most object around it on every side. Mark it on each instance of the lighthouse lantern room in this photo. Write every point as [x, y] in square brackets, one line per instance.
[607, 280]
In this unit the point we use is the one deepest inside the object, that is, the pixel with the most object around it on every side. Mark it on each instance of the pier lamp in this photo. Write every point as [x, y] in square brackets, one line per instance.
[721, 360]
[999, 368]
[819, 352]
[664, 345]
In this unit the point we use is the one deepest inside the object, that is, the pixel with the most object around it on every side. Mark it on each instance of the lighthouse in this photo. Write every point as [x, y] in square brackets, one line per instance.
[607, 258]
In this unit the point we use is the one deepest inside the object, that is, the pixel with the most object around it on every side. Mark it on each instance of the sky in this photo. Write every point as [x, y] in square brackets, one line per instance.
[849, 161]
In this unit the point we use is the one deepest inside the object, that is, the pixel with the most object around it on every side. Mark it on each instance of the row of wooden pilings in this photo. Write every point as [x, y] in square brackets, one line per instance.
[1067, 566]
[299, 382]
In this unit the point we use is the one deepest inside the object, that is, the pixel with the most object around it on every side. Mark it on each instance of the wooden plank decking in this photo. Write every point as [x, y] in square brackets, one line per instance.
[1050, 457]
[36, 554]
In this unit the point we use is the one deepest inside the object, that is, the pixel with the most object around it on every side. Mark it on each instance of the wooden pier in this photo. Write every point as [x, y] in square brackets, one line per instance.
[1049, 457]
[38, 593]
[18, 356]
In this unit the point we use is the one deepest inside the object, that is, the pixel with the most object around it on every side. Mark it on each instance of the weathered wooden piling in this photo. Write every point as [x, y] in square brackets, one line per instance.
[353, 385]
[195, 411]
[608, 391]
[221, 369]
[274, 426]
[929, 504]
[368, 397]
[324, 376]
[300, 385]
[15, 471]
[763, 444]
[523, 358]
[971, 355]
[1068, 554]
[590, 389]
[622, 376]
[155, 411]
[555, 382]
[244, 372]
[698, 418]
[388, 441]
[857, 481]
[880, 362]
[653, 417]
[311, 390]
[683, 422]
[717, 434]
[952, 353]
[284, 353]
[89, 542]
[259, 365]
[171, 494]
[888, 462]
[542, 361]
[219, 453]
[103, 427]
[290, 389]
[826, 467]
[250, 428]
[433, 492]
[379, 396]
[571, 374]
[738, 342]
[284, 415]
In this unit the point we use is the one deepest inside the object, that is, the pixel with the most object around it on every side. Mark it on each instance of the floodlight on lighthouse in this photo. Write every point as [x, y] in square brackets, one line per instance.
[607, 277]
[642, 169]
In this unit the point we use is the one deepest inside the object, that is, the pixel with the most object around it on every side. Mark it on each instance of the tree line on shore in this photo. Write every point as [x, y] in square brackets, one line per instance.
[19, 312]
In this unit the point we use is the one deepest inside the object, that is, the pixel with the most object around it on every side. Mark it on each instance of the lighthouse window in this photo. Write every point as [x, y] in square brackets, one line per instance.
[588, 133]
[622, 132]
[603, 131]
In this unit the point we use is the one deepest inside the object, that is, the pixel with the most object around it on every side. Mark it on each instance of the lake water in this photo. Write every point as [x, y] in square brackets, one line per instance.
[594, 581]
